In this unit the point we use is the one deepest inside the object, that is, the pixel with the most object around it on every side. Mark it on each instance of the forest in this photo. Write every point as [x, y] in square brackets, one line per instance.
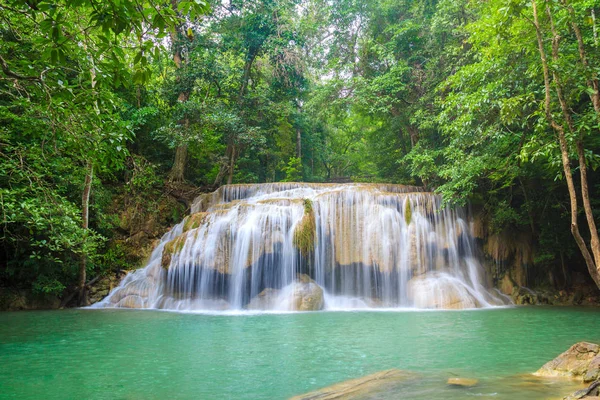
[114, 112]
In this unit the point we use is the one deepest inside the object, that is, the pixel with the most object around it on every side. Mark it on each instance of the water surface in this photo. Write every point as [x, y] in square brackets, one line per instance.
[126, 354]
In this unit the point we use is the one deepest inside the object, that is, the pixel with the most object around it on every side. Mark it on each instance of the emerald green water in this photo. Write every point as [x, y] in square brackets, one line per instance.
[120, 354]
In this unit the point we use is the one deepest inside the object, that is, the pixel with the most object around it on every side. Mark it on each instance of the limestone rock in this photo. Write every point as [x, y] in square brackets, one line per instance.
[359, 387]
[506, 285]
[131, 301]
[593, 371]
[580, 362]
[307, 295]
[465, 382]
[193, 221]
[440, 291]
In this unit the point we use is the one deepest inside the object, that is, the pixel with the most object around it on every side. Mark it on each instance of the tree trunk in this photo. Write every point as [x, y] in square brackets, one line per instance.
[176, 173]
[231, 165]
[299, 144]
[414, 135]
[591, 78]
[85, 206]
[178, 170]
[564, 150]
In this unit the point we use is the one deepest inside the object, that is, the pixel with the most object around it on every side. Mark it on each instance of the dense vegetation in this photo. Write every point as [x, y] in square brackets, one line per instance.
[494, 102]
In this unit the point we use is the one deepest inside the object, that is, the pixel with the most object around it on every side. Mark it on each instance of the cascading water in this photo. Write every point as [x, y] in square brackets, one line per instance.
[296, 246]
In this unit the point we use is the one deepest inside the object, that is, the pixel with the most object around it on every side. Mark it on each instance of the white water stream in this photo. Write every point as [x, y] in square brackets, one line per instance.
[375, 246]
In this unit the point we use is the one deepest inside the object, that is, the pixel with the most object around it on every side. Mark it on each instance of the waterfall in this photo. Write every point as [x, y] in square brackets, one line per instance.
[300, 246]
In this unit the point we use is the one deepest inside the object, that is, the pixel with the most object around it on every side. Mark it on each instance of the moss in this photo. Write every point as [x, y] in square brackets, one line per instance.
[194, 221]
[172, 247]
[407, 212]
[305, 233]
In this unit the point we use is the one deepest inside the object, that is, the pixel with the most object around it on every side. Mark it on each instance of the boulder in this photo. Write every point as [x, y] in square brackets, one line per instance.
[359, 387]
[440, 291]
[464, 382]
[581, 362]
[307, 295]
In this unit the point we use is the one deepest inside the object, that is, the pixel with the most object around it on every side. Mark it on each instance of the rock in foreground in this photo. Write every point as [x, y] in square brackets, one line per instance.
[581, 362]
[464, 382]
[357, 388]
[590, 393]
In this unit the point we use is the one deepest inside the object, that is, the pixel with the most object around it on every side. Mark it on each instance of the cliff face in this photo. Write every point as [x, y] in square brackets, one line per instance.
[516, 267]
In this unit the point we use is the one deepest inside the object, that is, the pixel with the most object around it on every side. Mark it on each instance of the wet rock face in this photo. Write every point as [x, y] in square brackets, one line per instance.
[360, 241]
[303, 294]
[440, 292]
[581, 362]
[131, 301]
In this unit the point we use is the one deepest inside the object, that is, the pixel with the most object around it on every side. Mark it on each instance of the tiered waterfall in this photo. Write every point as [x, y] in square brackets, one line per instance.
[300, 246]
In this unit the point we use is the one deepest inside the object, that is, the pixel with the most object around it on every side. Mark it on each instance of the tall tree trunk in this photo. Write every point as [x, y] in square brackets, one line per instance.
[232, 149]
[178, 170]
[593, 265]
[299, 143]
[564, 150]
[231, 164]
[85, 213]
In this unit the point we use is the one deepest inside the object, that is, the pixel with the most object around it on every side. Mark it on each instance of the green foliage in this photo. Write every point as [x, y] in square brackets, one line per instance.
[293, 170]
[65, 66]
[448, 94]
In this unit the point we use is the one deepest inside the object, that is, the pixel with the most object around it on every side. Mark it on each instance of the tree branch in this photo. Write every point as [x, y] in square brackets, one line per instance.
[7, 71]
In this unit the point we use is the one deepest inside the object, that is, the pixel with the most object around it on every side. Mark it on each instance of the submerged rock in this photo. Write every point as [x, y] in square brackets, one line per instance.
[359, 387]
[465, 382]
[581, 362]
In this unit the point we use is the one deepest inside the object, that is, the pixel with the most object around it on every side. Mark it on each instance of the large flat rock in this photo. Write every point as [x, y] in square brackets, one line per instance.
[359, 387]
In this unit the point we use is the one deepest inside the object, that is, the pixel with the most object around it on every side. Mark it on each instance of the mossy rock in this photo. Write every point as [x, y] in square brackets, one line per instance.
[173, 247]
[407, 212]
[194, 221]
[306, 230]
